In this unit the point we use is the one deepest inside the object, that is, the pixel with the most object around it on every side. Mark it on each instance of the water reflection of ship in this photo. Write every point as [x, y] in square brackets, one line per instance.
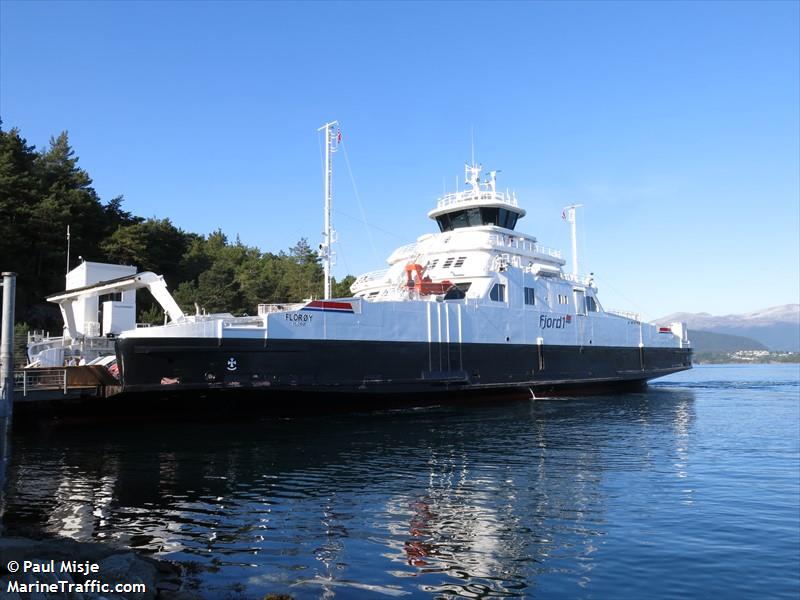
[474, 497]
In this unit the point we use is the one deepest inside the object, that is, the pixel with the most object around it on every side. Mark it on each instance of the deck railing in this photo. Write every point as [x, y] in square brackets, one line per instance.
[469, 196]
[378, 275]
[626, 314]
[402, 252]
[265, 309]
[586, 280]
[520, 243]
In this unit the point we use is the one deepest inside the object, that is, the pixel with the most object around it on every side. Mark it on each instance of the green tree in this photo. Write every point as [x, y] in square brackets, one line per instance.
[341, 289]
[66, 198]
[18, 196]
[151, 245]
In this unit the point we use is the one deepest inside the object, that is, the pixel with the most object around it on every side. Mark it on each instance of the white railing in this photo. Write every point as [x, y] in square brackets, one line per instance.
[36, 336]
[470, 196]
[265, 309]
[366, 278]
[547, 251]
[586, 280]
[403, 252]
[40, 379]
[520, 243]
[625, 314]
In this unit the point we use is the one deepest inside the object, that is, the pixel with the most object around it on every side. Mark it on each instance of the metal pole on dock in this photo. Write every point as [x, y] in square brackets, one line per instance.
[7, 346]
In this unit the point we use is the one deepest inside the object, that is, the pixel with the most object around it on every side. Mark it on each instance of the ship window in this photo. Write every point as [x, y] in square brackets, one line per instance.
[432, 264]
[473, 217]
[530, 296]
[591, 304]
[113, 297]
[448, 262]
[459, 261]
[489, 216]
[580, 302]
[459, 219]
[464, 286]
[498, 293]
[562, 299]
[454, 293]
[507, 219]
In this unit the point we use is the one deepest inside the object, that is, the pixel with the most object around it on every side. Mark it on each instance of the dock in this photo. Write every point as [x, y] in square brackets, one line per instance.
[38, 385]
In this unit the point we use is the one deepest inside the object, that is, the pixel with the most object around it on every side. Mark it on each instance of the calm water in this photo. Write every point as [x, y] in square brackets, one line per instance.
[689, 489]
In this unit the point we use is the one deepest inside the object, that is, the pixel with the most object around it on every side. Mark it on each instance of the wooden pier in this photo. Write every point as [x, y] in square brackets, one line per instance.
[40, 390]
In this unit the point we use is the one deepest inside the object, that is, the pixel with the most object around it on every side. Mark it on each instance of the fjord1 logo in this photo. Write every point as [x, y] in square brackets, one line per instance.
[546, 322]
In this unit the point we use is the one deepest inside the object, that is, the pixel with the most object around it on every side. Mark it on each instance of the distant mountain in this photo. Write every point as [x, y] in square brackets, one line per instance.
[777, 327]
[707, 341]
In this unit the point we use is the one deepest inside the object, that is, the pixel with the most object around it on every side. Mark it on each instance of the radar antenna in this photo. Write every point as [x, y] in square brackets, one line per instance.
[472, 174]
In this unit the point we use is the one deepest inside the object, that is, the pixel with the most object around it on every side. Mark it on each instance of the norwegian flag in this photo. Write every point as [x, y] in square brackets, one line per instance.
[339, 137]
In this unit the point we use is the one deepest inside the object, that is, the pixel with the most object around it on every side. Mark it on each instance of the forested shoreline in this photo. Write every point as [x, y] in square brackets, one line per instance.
[42, 191]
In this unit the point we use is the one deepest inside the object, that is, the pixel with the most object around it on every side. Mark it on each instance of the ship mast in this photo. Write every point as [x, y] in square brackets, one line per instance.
[569, 215]
[325, 252]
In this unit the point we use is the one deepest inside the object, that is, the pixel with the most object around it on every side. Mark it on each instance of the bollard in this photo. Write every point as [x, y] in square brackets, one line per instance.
[7, 346]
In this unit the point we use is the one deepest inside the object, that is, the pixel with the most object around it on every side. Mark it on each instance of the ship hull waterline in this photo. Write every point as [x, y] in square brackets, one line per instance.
[361, 368]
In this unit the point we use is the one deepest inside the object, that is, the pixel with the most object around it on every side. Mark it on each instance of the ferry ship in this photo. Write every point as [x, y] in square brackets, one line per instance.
[475, 307]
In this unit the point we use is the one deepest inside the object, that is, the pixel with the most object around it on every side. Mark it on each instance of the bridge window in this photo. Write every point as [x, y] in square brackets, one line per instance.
[530, 296]
[448, 262]
[508, 219]
[498, 292]
[459, 261]
[489, 216]
[473, 217]
[591, 304]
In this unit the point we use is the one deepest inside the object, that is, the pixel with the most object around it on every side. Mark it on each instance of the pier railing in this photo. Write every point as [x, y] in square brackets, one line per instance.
[40, 379]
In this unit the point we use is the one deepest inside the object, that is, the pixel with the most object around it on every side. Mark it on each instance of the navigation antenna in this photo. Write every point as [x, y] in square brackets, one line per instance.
[332, 138]
[568, 214]
[67, 249]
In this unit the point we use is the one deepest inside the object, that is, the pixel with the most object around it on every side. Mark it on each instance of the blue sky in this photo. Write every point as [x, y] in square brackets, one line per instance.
[675, 124]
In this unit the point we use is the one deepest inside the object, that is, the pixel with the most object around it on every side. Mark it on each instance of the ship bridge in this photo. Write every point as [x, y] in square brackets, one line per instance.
[480, 205]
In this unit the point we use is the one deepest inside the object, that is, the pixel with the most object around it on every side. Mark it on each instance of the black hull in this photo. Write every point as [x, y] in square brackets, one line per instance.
[334, 367]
